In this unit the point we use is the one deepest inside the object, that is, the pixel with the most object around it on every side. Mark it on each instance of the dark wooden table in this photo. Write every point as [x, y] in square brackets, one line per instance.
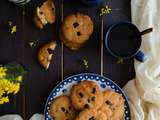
[38, 83]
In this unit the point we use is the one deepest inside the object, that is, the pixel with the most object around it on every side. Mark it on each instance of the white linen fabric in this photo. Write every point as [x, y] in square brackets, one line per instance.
[144, 91]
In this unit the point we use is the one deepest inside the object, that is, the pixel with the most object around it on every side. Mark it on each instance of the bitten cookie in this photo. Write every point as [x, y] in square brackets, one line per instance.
[91, 114]
[86, 94]
[45, 14]
[45, 54]
[115, 103]
[75, 30]
[61, 109]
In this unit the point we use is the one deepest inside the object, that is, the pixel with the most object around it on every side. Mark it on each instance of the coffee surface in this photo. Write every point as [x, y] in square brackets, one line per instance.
[124, 40]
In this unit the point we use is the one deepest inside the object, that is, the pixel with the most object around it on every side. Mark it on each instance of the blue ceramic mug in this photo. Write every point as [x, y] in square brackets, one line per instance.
[123, 40]
[91, 2]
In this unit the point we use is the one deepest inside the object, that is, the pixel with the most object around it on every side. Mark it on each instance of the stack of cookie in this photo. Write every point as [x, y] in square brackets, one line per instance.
[87, 102]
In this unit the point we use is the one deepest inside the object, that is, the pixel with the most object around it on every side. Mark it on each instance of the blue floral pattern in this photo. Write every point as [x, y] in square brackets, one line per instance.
[63, 88]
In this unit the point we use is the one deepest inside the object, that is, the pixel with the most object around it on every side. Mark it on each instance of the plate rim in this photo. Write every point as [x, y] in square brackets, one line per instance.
[79, 74]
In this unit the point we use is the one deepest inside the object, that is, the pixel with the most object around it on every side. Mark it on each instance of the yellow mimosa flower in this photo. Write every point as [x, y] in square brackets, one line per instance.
[2, 72]
[19, 78]
[4, 100]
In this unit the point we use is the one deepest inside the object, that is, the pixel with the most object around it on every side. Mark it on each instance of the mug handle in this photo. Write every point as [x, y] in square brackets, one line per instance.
[149, 30]
[140, 56]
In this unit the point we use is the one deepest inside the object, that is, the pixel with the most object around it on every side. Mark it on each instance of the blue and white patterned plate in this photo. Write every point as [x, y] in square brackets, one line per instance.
[64, 87]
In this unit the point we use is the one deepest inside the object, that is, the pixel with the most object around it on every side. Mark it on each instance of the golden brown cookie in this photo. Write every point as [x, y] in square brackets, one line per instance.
[91, 114]
[75, 30]
[86, 94]
[48, 9]
[71, 45]
[45, 14]
[45, 54]
[61, 109]
[115, 103]
[37, 21]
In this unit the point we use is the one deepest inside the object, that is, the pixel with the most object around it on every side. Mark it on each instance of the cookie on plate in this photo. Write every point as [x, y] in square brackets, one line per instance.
[91, 114]
[115, 103]
[45, 14]
[45, 54]
[75, 30]
[61, 109]
[86, 94]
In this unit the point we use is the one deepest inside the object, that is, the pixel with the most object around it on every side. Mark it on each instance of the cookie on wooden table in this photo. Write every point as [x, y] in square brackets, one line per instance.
[61, 109]
[75, 30]
[86, 94]
[45, 54]
[91, 114]
[115, 103]
[45, 14]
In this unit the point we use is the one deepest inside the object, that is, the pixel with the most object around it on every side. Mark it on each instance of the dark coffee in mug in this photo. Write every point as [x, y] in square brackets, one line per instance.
[124, 40]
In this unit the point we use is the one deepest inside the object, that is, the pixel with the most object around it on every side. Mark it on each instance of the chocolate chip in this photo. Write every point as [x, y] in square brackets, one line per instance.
[78, 33]
[50, 51]
[94, 90]
[81, 95]
[53, 9]
[86, 106]
[93, 98]
[92, 118]
[75, 24]
[88, 100]
[67, 112]
[108, 102]
[41, 12]
[63, 109]
[69, 107]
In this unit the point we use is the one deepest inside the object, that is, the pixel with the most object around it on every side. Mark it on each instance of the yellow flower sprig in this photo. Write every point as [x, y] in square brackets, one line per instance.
[9, 82]
[120, 61]
[105, 10]
[84, 63]
[12, 27]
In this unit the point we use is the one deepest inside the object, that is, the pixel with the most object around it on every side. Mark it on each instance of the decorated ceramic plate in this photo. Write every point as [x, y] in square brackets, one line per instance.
[64, 87]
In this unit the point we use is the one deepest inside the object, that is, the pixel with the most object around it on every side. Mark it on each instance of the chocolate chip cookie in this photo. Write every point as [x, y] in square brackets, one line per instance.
[113, 105]
[91, 114]
[61, 109]
[75, 30]
[86, 94]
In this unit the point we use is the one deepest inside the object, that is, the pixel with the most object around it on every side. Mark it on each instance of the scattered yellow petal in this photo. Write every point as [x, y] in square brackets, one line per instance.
[13, 29]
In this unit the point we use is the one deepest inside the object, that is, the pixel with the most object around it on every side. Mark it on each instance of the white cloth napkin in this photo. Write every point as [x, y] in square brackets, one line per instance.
[144, 91]
[17, 117]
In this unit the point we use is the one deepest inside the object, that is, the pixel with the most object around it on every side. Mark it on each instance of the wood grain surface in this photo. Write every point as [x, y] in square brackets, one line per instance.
[38, 83]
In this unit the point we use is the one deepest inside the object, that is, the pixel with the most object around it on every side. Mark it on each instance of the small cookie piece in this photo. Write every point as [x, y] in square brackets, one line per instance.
[75, 30]
[45, 14]
[48, 9]
[45, 54]
[86, 94]
[37, 21]
[61, 109]
[115, 103]
[91, 114]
